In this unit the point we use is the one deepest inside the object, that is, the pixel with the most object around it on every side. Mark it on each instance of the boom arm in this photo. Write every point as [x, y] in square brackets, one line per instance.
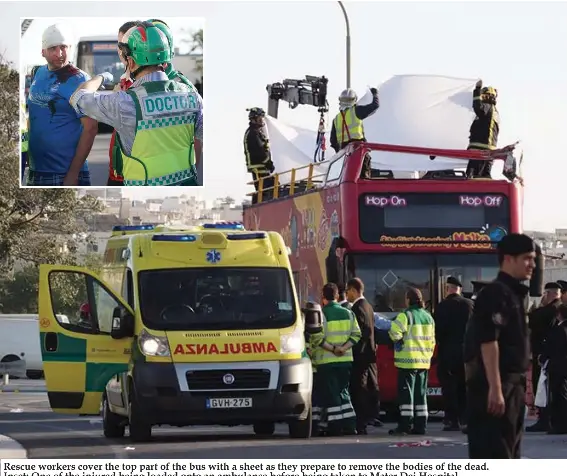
[311, 91]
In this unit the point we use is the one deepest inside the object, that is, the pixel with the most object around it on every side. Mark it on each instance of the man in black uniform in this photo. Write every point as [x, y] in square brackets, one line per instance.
[563, 285]
[555, 353]
[342, 297]
[257, 151]
[540, 322]
[497, 355]
[451, 317]
[484, 129]
[364, 375]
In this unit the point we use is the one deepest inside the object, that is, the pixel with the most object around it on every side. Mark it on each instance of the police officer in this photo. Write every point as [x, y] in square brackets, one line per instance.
[451, 317]
[334, 362]
[158, 121]
[540, 322]
[413, 334]
[484, 129]
[257, 151]
[497, 355]
[554, 352]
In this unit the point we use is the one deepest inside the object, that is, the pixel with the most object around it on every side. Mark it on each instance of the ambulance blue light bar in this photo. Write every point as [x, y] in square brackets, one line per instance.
[224, 226]
[133, 227]
[248, 236]
[174, 238]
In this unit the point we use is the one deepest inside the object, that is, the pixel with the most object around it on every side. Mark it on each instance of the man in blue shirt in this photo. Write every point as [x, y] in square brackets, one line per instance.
[60, 139]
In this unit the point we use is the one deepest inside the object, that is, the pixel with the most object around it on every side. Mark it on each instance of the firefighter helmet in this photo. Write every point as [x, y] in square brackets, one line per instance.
[255, 112]
[348, 98]
[313, 315]
[489, 93]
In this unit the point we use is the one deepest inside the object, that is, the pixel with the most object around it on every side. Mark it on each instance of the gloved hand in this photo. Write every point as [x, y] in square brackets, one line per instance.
[479, 83]
[106, 77]
[374, 91]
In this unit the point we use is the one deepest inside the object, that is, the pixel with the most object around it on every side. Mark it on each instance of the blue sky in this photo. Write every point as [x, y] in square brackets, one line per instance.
[517, 47]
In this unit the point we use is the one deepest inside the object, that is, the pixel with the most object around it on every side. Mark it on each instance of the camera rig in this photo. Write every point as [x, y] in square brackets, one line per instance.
[311, 91]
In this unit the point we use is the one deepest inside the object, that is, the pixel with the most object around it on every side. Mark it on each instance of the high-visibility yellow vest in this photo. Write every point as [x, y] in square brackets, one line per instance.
[348, 126]
[339, 326]
[163, 150]
[413, 332]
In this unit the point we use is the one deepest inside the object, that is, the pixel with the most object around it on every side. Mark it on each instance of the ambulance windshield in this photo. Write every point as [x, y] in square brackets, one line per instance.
[216, 298]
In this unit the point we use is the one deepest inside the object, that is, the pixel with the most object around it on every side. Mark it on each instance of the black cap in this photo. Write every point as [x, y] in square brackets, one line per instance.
[454, 281]
[562, 285]
[516, 244]
[553, 286]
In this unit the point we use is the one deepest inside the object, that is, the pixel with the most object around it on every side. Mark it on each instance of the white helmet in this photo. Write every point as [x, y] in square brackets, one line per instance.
[56, 35]
[347, 98]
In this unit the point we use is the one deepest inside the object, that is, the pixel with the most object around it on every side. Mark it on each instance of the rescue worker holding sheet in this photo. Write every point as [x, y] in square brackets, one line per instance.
[413, 334]
[484, 129]
[497, 355]
[333, 356]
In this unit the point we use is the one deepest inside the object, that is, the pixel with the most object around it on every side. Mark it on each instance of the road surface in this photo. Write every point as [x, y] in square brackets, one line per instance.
[26, 417]
[98, 161]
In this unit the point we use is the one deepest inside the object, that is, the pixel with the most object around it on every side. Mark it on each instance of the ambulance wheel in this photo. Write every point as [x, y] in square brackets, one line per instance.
[264, 428]
[301, 428]
[112, 424]
[140, 429]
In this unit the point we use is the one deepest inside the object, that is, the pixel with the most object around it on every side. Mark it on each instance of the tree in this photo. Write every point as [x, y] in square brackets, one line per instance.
[35, 224]
[197, 40]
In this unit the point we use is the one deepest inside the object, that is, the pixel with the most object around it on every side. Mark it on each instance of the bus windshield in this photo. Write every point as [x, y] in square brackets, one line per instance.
[96, 57]
[219, 298]
[387, 276]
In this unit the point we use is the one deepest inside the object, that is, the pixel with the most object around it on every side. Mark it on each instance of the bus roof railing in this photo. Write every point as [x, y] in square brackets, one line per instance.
[316, 177]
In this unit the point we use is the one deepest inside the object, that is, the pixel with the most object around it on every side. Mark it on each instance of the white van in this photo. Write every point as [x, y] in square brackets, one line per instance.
[19, 340]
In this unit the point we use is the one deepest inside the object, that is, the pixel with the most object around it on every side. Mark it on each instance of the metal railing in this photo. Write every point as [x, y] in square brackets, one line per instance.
[313, 177]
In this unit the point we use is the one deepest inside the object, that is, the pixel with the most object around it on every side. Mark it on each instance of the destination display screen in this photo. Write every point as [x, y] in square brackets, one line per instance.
[439, 217]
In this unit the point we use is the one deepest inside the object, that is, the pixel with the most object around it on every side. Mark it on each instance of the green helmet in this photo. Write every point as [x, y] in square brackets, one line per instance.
[148, 45]
[166, 31]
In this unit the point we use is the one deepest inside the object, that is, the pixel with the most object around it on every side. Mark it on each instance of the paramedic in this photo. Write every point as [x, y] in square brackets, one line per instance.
[413, 334]
[158, 121]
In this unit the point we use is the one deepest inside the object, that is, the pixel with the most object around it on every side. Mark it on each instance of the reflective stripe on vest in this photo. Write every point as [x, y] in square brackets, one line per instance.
[348, 126]
[163, 150]
[338, 332]
[418, 342]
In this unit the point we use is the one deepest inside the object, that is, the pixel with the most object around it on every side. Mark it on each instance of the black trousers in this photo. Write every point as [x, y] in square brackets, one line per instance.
[268, 183]
[364, 392]
[557, 402]
[493, 437]
[452, 379]
[478, 168]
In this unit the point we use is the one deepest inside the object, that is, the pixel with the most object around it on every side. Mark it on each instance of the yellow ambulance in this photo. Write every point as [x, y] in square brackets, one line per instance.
[197, 326]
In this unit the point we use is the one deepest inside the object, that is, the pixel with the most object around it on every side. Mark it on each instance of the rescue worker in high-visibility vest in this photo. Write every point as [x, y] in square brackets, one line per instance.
[175, 75]
[348, 126]
[413, 334]
[333, 357]
[484, 129]
[257, 151]
[158, 121]
[25, 139]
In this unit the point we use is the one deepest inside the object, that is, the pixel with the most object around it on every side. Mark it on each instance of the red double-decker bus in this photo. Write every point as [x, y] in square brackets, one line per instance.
[392, 233]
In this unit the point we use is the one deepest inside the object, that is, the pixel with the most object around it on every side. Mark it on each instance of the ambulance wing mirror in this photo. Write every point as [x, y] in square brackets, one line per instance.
[536, 282]
[122, 323]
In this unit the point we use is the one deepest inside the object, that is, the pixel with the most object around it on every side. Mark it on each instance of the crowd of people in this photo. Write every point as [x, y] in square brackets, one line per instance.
[483, 344]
